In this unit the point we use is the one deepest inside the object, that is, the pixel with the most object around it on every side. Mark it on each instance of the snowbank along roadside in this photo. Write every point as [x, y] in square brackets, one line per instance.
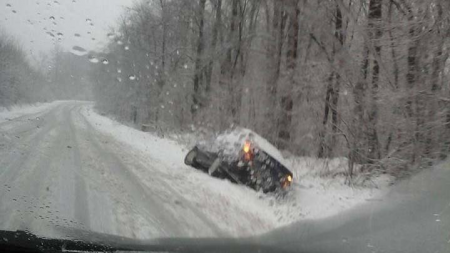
[237, 210]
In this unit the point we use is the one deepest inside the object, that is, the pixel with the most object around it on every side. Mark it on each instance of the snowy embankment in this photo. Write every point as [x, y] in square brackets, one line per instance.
[237, 210]
[17, 111]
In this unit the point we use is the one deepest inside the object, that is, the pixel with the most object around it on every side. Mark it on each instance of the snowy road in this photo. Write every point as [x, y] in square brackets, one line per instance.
[57, 170]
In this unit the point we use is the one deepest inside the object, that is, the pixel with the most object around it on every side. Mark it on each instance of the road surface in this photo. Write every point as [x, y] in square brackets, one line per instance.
[58, 171]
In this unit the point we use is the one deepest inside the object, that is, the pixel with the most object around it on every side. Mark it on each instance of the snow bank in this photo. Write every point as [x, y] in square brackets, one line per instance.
[237, 210]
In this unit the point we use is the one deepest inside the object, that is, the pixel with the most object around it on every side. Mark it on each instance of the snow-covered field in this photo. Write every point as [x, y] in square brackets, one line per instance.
[236, 209]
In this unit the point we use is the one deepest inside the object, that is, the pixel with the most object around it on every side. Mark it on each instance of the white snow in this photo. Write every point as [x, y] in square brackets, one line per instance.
[16, 111]
[237, 210]
[233, 140]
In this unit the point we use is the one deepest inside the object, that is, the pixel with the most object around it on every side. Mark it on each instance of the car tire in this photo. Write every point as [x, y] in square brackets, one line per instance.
[190, 157]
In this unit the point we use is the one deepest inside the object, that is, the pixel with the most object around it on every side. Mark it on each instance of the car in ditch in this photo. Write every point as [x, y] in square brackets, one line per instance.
[243, 157]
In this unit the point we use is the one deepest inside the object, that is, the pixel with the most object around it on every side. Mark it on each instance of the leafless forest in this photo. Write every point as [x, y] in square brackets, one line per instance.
[367, 80]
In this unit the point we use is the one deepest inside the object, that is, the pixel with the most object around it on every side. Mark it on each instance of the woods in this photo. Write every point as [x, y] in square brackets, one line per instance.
[19, 81]
[366, 80]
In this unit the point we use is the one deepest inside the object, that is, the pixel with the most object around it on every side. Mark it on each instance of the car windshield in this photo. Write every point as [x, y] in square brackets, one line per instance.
[318, 126]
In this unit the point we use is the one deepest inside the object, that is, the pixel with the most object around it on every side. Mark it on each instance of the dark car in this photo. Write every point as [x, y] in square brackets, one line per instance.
[243, 157]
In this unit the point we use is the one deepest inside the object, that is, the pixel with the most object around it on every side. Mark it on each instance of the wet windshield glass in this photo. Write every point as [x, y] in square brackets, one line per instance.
[306, 125]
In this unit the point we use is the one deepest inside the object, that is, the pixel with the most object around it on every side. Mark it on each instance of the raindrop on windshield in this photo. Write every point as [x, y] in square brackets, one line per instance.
[93, 59]
[14, 11]
[88, 20]
[60, 35]
[119, 71]
[110, 35]
[119, 42]
[127, 48]
[51, 34]
[105, 61]
[77, 35]
[52, 18]
[8, 5]
[132, 77]
[76, 50]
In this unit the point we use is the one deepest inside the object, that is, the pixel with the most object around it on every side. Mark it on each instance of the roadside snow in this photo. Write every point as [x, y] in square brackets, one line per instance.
[17, 113]
[237, 210]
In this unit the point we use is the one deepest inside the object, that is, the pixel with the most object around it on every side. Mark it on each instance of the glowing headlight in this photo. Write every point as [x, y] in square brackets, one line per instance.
[246, 147]
[289, 178]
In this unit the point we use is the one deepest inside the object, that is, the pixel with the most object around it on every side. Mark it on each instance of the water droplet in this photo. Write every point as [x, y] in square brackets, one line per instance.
[119, 42]
[93, 59]
[185, 66]
[110, 35]
[127, 48]
[132, 77]
[119, 79]
[76, 50]
[77, 35]
[14, 11]
[105, 61]
[60, 35]
[51, 34]
[14, 199]
[88, 20]
[119, 71]
[52, 18]
[8, 5]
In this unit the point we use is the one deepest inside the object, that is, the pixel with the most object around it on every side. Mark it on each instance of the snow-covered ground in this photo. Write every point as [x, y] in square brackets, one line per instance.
[236, 209]
[17, 111]
[64, 164]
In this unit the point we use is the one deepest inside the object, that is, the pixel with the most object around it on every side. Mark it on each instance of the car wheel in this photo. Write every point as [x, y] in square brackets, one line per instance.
[190, 157]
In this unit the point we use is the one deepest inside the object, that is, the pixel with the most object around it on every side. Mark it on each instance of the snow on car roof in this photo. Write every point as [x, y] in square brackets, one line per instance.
[231, 142]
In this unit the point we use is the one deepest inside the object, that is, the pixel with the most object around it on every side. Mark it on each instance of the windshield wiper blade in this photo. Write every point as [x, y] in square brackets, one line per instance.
[23, 241]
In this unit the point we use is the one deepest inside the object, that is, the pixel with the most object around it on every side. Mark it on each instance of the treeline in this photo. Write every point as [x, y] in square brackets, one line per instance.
[363, 79]
[20, 83]
[59, 75]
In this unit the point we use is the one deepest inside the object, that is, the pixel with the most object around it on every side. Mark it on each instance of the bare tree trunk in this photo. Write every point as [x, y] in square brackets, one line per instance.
[275, 50]
[215, 34]
[375, 15]
[339, 35]
[393, 52]
[284, 127]
[437, 67]
[198, 61]
[412, 65]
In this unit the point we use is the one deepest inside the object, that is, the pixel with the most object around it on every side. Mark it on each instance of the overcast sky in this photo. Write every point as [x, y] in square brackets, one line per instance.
[35, 24]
